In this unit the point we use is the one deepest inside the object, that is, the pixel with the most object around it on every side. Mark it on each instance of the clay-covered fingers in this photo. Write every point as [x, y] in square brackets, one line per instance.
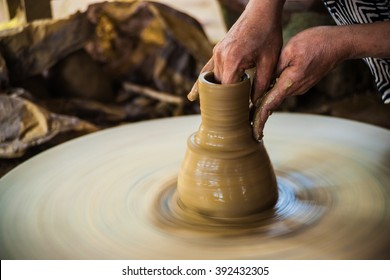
[194, 93]
[286, 85]
[223, 73]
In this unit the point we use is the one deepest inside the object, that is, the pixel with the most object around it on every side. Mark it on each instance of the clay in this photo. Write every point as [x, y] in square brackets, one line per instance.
[225, 172]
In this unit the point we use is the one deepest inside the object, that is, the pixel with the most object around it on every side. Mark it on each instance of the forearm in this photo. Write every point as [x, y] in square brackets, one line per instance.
[263, 10]
[366, 40]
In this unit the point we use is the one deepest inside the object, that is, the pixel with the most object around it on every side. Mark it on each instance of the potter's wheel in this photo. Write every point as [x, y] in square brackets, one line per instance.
[110, 195]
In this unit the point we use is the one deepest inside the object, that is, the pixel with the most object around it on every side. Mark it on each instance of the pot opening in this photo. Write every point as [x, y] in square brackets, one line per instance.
[209, 77]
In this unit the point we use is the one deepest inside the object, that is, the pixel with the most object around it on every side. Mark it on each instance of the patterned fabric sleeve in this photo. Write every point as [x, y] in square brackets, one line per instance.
[359, 11]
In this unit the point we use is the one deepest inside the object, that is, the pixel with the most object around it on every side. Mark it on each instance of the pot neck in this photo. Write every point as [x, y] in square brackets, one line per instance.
[224, 106]
[225, 113]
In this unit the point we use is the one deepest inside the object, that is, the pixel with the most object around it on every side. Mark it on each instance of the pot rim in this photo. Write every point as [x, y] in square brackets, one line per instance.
[205, 76]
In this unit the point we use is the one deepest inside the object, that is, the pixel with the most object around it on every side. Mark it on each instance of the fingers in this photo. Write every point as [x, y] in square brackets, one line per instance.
[264, 75]
[194, 93]
[230, 63]
[228, 75]
[284, 87]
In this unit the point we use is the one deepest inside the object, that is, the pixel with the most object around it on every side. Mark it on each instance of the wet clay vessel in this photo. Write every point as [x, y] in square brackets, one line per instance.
[225, 172]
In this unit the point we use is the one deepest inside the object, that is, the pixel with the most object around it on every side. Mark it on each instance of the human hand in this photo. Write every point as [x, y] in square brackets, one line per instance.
[254, 40]
[303, 62]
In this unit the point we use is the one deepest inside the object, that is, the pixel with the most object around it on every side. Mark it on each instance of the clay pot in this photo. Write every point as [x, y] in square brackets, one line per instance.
[225, 172]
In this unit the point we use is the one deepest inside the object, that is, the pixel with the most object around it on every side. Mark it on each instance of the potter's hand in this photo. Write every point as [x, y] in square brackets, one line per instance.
[194, 94]
[311, 54]
[305, 59]
[254, 40]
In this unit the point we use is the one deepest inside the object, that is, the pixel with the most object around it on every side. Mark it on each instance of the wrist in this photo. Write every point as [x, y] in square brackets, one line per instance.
[365, 40]
[343, 42]
[271, 8]
[269, 4]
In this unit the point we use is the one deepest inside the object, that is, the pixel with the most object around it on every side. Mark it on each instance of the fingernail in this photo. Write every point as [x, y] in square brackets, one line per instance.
[193, 94]
[190, 96]
[259, 136]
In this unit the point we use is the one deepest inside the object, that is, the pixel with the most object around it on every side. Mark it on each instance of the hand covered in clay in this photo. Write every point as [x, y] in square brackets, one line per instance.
[303, 62]
[312, 53]
[254, 40]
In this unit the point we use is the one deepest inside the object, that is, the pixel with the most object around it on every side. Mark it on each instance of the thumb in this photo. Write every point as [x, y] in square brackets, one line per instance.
[194, 93]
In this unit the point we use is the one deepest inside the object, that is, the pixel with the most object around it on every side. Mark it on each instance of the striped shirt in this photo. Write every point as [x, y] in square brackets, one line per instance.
[346, 12]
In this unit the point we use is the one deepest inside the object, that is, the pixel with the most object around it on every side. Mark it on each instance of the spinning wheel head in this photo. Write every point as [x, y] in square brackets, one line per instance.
[87, 199]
